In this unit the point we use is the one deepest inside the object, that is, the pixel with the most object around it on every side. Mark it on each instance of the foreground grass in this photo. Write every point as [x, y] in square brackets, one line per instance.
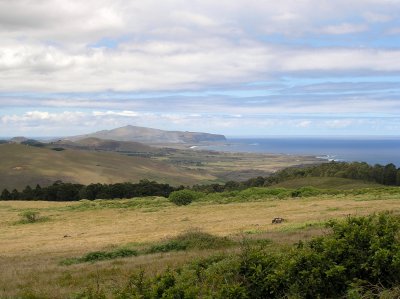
[31, 253]
[191, 240]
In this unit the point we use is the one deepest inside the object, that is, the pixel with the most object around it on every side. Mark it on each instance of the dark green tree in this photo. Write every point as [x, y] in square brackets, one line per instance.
[15, 195]
[38, 192]
[389, 174]
[27, 193]
[398, 177]
[5, 195]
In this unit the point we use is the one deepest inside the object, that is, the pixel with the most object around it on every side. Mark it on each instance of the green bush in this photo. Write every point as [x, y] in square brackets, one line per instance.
[184, 197]
[191, 240]
[96, 256]
[359, 259]
[361, 251]
[31, 217]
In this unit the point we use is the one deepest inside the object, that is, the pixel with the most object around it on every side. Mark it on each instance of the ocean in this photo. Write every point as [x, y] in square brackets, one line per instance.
[377, 150]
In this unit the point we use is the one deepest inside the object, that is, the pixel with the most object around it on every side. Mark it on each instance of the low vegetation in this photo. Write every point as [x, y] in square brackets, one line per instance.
[107, 242]
[360, 258]
[31, 216]
[349, 175]
[353, 172]
[191, 240]
[96, 256]
[60, 191]
[184, 197]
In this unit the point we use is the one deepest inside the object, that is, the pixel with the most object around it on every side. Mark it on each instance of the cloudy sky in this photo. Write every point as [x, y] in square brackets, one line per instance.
[237, 67]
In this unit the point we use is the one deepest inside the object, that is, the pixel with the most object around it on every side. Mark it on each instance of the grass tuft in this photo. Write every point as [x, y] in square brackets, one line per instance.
[96, 256]
[31, 216]
[191, 240]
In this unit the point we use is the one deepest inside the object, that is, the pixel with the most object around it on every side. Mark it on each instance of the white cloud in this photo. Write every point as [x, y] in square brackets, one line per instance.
[174, 65]
[339, 123]
[341, 59]
[304, 123]
[374, 17]
[344, 28]
[117, 113]
[37, 117]
[44, 123]
[97, 45]
[93, 54]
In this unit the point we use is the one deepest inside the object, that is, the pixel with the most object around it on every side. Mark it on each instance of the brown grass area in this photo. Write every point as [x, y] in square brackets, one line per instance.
[22, 165]
[235, 166]
[94, 229]
[30, 253]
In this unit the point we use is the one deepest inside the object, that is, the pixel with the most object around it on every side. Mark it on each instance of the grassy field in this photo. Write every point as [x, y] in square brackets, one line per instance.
[234, 166]
[326, 183]
[31, 254]
[22, 165]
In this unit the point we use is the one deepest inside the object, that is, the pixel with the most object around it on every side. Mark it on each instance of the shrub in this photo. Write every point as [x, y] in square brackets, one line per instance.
[184, 197]
[104, 255]
[359, 259]
[31, 217]
[96, 256]
[191, 240]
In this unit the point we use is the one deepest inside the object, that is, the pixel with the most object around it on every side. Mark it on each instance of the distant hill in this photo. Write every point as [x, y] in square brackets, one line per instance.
[21, 165]
[18, 139]
[149, 135]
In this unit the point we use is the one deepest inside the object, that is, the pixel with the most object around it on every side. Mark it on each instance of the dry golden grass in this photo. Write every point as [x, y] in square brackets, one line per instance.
[93, 229]
[30, 253]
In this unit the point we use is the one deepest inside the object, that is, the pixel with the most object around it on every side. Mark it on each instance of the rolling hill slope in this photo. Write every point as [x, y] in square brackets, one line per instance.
[21, 165]
[92, 143]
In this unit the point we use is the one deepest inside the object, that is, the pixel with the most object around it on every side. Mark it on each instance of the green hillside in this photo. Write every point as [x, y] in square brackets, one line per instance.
[21, 165]
[326, 183]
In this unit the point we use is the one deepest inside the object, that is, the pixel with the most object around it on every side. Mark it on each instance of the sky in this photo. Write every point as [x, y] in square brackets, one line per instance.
[235, 67]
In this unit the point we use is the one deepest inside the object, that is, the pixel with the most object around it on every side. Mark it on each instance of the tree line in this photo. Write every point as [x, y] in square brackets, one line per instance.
[383, 174]
[387, 175]
[60, 191]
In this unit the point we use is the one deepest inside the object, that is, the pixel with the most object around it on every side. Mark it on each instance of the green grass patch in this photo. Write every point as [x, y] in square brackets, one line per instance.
[184, 197]
[301, 226]
[191, 240]
[96, 256]
[150, 203]
[326, 183]
[31, 216]
[271, 193]
[333, 209]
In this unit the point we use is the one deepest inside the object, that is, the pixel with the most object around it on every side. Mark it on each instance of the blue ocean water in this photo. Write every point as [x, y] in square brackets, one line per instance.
[371, 150]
